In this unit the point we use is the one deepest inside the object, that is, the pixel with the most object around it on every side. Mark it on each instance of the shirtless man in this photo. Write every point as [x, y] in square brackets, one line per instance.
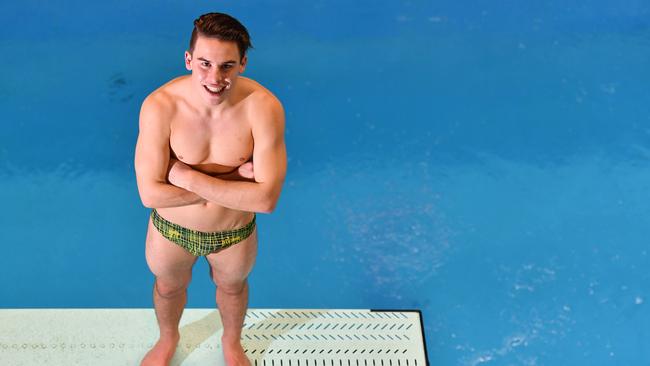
[199, 134]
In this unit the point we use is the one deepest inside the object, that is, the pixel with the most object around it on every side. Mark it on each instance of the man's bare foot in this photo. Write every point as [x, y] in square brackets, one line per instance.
[233, 354]
[162, 352]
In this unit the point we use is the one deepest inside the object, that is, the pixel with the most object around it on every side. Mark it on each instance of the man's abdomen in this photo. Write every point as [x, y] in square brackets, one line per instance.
[206, 217]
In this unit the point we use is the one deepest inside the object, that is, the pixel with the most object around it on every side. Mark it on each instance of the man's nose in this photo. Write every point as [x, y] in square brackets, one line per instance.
[215, 76]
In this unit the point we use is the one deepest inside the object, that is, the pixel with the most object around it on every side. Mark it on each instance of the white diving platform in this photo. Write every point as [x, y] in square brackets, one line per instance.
[270, 337]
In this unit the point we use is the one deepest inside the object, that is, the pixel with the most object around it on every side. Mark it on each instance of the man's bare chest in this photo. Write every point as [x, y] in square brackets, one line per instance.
[211, 147]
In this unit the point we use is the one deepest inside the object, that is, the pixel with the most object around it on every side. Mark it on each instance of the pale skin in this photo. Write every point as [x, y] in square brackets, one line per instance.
[193, 163]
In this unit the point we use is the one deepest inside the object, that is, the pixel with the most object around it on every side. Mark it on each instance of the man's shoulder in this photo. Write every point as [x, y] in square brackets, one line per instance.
[162, 101]
[261, 100]
[167, 94]
[265, 113]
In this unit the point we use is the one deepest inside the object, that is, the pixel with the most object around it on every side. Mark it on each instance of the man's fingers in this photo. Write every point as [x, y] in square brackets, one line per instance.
[246, 170]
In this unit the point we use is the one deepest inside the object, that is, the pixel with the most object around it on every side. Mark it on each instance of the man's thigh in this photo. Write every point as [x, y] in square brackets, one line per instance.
[233, 264]
[167, 260]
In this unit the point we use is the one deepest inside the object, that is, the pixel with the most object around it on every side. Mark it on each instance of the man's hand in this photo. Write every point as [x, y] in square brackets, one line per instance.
[242, 173]
[246, 170]
[178, 173]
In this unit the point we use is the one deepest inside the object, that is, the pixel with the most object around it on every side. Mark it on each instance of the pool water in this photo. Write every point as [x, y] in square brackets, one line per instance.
[485, 163]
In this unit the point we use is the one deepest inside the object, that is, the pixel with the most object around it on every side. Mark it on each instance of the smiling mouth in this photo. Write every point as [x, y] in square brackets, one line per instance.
[215, 90]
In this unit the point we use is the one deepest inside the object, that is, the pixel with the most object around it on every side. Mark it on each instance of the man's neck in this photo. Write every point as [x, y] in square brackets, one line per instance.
[211, 111]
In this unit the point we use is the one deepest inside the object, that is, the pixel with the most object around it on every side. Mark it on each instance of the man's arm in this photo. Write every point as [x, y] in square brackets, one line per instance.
[270, 157]
[152, 159]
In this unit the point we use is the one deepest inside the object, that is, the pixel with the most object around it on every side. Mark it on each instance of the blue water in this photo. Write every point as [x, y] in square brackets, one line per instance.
[485, 163]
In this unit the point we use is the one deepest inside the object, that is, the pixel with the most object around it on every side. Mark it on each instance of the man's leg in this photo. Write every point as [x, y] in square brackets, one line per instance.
[172, 267]
[230, 269]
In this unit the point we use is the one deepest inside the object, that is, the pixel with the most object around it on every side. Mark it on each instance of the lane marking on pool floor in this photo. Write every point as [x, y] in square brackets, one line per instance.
[270, 337]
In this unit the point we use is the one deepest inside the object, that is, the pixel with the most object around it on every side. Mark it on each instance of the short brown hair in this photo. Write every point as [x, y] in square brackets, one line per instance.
[223, 27]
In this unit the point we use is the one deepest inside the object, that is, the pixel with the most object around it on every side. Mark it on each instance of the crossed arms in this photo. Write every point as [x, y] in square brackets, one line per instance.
[162, 184]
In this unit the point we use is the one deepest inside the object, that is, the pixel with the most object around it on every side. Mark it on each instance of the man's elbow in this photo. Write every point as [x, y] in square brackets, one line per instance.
[147, 197]
[150, 194]
[268, 205]
[147, 201]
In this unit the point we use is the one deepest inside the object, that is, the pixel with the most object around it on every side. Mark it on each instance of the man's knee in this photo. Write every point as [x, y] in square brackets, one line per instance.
[166, 288]
[231, 286]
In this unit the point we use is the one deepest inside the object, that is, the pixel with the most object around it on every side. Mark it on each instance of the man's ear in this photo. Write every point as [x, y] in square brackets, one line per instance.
[188, 60]
[242, 66]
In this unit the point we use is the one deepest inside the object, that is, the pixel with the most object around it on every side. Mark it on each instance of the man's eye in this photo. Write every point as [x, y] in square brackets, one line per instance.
[205, 64]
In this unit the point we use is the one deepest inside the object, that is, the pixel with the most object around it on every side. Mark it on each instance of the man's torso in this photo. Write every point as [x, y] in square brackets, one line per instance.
[210, 144]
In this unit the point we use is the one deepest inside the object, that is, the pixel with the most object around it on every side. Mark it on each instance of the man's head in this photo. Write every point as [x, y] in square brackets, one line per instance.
[223, 27]
[217, 55]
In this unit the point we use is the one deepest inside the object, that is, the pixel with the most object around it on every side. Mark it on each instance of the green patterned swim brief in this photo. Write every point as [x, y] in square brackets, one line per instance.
[200, 243]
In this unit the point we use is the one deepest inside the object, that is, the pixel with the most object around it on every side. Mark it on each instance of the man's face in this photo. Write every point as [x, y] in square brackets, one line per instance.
[215, 66]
